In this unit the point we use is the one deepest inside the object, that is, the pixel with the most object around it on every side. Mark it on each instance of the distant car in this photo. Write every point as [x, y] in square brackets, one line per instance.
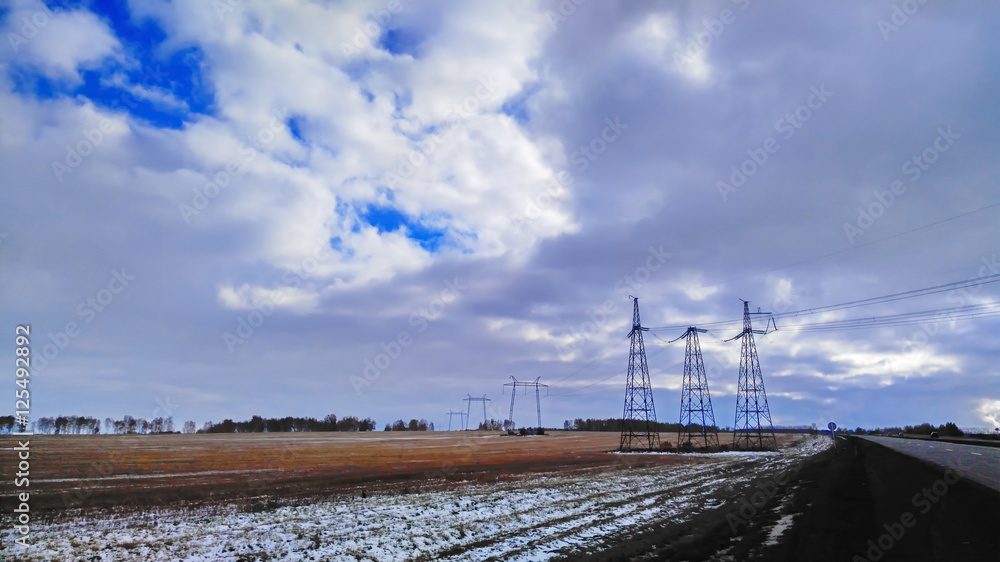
[934, 435]
[900, 434]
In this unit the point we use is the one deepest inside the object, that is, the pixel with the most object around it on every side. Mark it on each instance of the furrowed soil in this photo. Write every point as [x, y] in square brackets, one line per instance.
[143, 471]
[456, 496]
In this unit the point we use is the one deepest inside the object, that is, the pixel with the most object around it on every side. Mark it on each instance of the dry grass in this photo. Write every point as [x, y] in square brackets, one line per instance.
[105, 470]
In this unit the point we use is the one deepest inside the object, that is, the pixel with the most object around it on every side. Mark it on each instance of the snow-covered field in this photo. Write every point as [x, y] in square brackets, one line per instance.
[535, 518]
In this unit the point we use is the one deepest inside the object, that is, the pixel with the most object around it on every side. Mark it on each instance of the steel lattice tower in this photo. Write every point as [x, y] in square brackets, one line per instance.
[639, 418]
[696, 401]
[753, 428]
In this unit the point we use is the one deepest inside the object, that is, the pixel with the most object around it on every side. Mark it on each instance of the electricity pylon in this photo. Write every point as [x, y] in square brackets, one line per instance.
[696, 401]
[753, 429]
[639, 417]
[513, 393]
[468, 409]
[453, 414]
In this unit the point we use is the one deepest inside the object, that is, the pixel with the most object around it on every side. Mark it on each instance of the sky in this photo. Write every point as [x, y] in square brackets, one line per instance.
[223, 209]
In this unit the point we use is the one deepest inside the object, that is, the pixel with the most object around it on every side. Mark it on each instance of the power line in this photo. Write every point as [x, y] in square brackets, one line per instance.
[968, 312]
[594, 360]
[955, 285]
[735, 322]
[892, 297]
[578, 391]
[855, 247]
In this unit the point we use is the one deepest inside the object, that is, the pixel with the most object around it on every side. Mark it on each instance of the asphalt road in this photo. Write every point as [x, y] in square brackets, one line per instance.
[979, 464]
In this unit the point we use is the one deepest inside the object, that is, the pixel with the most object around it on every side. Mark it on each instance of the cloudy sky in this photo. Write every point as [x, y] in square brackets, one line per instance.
[221, 209]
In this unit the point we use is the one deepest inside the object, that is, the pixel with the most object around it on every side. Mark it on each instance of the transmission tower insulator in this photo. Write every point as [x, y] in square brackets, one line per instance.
[753, 429]
[697, 417]
[639, 432]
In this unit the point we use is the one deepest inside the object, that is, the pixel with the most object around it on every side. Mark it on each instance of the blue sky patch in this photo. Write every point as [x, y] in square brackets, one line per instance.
[390, 219]
[27, 82]
[401, 100]
[295, 127]
[516, 107]
[164, 91]
[400, 42]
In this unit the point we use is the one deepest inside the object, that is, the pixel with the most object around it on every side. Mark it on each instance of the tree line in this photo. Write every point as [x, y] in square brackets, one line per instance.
[944, 430]
[414, 425]
[616, 424]
[257, 424]
[128, 425]
[85, 425]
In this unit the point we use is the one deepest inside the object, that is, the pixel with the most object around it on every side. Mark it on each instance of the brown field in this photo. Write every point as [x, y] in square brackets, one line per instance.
[142, 471]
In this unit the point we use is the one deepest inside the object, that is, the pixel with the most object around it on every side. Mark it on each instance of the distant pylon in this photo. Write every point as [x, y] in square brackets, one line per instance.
[513, 393]
[753, 428]
[696, 401]
[468, 410]
[639, 418]
[453, 414]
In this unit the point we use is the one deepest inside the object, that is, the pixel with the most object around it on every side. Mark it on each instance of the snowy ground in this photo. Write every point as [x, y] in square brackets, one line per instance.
[536, 518]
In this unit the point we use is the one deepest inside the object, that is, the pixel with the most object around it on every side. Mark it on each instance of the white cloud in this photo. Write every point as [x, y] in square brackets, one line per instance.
[57, 43]
[657, 39]
[246, 297]
[989, 412]
[475, 173]
[158, 96]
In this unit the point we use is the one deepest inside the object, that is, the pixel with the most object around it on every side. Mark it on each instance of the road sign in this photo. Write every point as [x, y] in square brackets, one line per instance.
[832, 426]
